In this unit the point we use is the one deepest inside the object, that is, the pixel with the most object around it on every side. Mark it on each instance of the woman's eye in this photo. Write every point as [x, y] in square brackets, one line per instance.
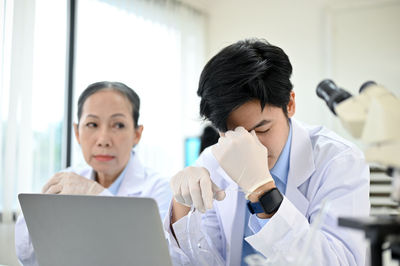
[119, 125]
[91, 124]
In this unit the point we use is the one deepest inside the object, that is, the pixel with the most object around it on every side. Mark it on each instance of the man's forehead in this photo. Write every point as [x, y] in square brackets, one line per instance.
[249, 125]
[250, 117]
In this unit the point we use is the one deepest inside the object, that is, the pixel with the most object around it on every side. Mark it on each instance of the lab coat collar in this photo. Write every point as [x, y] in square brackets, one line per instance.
[232, 206]
[281, 168]
[301, 167]
[134, 179]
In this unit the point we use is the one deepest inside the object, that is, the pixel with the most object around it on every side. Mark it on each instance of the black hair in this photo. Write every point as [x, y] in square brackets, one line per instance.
[115, 86]
[209, 137]
[246, 70]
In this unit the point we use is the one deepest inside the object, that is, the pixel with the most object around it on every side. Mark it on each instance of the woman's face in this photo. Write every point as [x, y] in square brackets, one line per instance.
[106, 132]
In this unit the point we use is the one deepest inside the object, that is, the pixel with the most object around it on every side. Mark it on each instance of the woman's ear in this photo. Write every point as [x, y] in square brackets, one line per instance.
[76, 131]
[291, 107]
[137, 135]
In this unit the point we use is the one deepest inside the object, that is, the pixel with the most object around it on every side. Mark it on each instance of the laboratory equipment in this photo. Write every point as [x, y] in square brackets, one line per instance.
[202, 249]
[373, 116]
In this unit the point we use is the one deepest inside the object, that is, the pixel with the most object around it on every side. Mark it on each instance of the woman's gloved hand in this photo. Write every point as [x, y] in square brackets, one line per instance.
[72, 184]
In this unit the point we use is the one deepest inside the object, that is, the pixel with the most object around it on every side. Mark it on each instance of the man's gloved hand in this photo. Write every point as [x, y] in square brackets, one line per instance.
[72, 184]
[193, 186]
[244, 159]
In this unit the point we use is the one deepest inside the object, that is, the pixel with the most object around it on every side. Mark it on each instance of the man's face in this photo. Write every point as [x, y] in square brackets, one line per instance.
[270, 124]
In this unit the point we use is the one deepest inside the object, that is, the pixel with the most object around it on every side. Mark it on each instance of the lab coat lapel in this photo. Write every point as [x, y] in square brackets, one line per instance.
[301, 166]
[231, 211]
[226, 206]
[133, 182]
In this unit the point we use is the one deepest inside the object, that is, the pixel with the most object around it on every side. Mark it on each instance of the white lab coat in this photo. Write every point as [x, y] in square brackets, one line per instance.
[138, 181]
[322, 166]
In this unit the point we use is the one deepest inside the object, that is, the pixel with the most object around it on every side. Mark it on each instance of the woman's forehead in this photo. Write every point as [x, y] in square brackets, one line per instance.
[107, 100]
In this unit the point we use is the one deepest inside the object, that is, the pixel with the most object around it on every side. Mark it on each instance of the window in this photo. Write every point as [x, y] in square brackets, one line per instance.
[32, 99]
[155, 47]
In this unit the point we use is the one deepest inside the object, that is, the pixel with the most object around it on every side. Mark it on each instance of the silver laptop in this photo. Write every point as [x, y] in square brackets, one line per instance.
[94, 230]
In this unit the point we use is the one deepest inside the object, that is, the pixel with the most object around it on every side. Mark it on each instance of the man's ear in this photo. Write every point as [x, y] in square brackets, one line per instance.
[291, 107]
[137, 135]
[76, 131]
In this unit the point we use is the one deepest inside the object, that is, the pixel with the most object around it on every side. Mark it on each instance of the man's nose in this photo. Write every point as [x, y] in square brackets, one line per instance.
[104, 138]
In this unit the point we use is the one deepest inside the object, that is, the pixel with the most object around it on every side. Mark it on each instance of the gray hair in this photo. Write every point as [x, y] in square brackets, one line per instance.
[116, 86]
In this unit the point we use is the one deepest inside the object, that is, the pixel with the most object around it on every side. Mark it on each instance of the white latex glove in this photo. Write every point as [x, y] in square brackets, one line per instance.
[193, 185]
[72, 184]
[244, 159]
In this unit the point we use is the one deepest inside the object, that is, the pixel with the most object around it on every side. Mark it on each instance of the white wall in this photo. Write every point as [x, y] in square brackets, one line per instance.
[314, 34]
[295, 26]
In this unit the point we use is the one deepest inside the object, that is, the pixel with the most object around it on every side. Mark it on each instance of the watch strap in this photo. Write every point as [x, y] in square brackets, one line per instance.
[254, 207]
[268, 203]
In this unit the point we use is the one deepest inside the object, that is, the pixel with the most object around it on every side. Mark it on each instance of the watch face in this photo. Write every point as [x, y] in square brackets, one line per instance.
[271, 200]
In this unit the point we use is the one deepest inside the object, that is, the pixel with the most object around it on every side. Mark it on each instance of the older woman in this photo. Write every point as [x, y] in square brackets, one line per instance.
[107, 130]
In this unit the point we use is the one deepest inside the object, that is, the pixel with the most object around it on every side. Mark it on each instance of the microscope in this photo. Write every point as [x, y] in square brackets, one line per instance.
[373, 116]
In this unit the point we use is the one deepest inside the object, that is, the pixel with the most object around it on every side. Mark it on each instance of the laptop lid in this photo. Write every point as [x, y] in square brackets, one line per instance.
[94, 230]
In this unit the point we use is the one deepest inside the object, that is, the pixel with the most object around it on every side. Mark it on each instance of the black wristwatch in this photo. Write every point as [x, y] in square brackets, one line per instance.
[269, 202]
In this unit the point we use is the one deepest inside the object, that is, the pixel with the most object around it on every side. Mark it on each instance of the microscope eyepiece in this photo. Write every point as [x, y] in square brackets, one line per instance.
[365, 85]
[331, 94]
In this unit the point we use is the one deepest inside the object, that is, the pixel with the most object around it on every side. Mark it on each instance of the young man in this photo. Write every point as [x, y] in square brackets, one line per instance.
[268, 164]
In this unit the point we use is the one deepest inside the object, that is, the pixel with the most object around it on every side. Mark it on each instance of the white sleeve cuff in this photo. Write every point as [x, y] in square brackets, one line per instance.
[274, 236]
[180, 254]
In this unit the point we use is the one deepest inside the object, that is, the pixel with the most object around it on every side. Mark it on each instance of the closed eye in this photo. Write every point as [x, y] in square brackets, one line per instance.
[261, 132]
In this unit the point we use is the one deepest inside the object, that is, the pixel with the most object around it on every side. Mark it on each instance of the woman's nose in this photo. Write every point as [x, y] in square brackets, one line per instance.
[104, 139]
